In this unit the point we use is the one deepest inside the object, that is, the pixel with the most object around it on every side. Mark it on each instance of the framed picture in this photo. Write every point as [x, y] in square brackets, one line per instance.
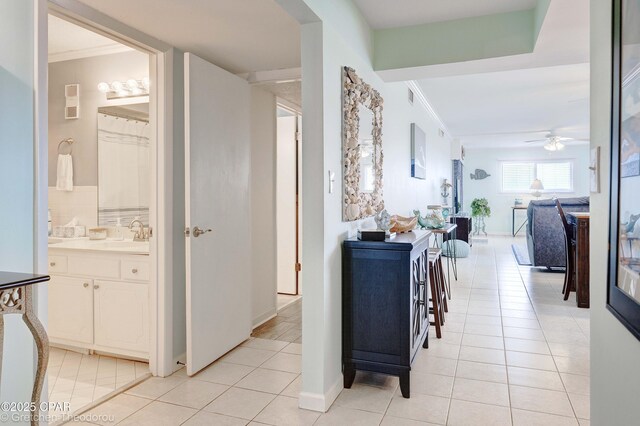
[623, 290]
[594, 169]
[418, 152]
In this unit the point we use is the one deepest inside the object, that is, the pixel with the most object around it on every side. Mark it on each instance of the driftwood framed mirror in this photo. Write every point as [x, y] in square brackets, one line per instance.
[361, 147]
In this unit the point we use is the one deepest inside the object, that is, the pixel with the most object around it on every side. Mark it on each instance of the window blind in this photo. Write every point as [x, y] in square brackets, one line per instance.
[556, 176]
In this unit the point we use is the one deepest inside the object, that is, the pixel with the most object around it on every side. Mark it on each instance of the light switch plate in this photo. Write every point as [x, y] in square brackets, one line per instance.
[332, 179]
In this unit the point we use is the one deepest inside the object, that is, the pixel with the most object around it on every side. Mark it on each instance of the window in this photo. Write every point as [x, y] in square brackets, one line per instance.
[556, 176]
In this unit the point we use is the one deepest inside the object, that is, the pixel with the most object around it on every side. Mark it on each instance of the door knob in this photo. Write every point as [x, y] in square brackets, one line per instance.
[85, 285]
[96, 286]
[197, 231]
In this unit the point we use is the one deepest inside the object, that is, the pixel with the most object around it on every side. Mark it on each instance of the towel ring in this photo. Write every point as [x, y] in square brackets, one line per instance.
[68, 141]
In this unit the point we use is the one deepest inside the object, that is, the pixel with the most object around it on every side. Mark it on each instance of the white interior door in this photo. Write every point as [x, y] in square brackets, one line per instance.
[217, 155]
[286, 204]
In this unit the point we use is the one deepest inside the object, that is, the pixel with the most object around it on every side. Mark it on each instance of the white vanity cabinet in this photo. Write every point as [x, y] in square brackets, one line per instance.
[72, 319]
[99, 301]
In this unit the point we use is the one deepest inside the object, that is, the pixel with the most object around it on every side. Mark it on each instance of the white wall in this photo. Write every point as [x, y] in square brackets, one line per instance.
[615, 370]
[263, 202]
[489, 159]
[344, 39]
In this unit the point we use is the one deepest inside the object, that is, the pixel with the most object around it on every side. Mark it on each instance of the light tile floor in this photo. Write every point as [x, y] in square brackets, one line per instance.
[81, 379]
[512, 352]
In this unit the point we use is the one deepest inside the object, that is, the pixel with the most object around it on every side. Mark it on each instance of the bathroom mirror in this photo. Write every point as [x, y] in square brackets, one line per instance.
[367, 150]
[123, 164]
[362, 148]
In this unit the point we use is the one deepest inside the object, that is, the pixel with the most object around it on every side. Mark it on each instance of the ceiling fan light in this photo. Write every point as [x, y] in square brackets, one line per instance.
[559, 146]
[550, 147]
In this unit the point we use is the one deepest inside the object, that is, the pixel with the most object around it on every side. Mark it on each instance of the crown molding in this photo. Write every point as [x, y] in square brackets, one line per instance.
[419, 94]
[87, 53]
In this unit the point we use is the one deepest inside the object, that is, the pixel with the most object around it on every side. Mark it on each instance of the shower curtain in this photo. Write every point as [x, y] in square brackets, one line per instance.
[123, 170]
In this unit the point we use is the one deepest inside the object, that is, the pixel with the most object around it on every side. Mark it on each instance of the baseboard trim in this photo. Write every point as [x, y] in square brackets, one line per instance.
[261, 319]
[320, 402]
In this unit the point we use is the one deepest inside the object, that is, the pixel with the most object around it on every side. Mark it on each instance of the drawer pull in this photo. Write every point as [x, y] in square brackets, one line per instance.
[96, 286]
[52, 264]
[134, 270]
[85, 285]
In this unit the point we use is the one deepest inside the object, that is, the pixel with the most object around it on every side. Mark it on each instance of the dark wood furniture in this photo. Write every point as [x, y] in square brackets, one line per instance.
[569, 248]
[385, 292]
[438, 297]
[449, 233]
[464, 228]
[16, 297]
[579, 223]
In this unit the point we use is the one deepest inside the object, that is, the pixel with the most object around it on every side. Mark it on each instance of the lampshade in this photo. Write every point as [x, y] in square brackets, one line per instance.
[536, 185]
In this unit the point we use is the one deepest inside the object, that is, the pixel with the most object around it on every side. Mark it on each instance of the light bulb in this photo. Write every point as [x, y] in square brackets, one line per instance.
[117, 86]
[132, 84]
[103, 87]
[559, 146]
[123, 93]
[136, 91]
[146, 82]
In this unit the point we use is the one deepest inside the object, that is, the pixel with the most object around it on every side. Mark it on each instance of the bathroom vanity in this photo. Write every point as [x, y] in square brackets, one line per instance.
[99, 296]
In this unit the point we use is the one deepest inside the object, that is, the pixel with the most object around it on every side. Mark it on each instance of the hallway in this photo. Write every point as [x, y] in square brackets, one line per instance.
[512, 352]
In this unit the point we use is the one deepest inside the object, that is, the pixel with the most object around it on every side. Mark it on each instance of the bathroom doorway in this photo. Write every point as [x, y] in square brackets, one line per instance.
[102, 207]
[288, 207]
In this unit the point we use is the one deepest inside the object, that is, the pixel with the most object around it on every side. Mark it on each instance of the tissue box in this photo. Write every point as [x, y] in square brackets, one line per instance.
[69, 231]
[97, 233]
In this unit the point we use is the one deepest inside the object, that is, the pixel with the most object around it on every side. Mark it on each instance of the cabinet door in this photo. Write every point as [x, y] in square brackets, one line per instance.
[122, 315]
[71, 309]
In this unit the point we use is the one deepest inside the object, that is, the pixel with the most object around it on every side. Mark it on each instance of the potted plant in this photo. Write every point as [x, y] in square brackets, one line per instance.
[479, 210]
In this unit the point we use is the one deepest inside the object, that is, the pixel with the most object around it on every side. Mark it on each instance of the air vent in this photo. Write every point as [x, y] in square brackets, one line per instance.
[72, 101]
[411, 96]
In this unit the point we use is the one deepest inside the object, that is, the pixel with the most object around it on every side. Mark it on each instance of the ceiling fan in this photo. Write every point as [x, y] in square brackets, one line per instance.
[554, 142]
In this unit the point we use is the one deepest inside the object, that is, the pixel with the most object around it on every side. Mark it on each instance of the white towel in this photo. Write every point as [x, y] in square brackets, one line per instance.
[65, 173]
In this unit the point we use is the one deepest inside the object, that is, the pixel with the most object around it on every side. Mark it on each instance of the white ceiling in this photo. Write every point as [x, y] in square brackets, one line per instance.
[68, 41]
[402, 13]
[509, 107]
[240, 36]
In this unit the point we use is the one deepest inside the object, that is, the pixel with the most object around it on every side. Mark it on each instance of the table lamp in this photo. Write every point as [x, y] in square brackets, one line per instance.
[536, 187]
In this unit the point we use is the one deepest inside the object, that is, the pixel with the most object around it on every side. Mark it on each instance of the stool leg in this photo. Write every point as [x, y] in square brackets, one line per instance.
[444, 287]
[435, 295]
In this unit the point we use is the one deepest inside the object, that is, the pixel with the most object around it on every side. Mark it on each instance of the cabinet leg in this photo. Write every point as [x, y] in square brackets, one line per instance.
[404, 384]
[349, 375]
[425, 344]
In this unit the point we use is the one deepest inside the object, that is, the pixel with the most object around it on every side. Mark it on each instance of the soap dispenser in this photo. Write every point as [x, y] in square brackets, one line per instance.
[118, 233]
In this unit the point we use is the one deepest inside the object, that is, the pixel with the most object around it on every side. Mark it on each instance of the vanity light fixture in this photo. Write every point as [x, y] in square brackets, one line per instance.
[125, 89]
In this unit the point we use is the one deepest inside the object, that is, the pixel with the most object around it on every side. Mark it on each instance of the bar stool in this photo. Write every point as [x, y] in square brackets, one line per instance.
[440, 275]
[569, 248]
[438, 297]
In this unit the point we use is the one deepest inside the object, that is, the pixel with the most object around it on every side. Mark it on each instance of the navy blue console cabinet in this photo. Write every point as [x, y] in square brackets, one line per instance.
[385, 305]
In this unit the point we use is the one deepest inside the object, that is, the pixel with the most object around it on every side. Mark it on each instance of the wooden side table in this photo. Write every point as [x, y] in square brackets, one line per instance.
[579, 221]
[16, 297]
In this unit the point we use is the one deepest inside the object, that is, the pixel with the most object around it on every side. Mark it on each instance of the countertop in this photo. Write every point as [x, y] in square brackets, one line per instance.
[17, 279]
[108, 245]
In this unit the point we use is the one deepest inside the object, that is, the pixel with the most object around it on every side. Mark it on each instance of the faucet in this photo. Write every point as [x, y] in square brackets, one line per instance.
[141, 234]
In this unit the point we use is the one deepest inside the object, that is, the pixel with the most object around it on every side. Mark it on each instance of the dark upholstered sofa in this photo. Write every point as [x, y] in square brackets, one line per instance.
[545, 239]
